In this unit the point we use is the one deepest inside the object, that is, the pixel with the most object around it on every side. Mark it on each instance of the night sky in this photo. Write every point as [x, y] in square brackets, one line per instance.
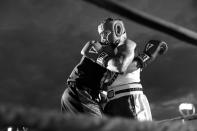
[41, 40]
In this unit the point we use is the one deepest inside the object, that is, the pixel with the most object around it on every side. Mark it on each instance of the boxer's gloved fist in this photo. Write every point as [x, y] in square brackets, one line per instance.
[152, 49]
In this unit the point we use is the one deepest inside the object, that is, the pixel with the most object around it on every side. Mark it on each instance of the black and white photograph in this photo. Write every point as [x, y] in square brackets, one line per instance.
[103, 65]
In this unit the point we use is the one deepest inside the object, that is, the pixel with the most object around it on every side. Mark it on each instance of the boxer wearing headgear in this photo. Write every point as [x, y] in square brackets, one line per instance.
[125, 95]
[112, 53]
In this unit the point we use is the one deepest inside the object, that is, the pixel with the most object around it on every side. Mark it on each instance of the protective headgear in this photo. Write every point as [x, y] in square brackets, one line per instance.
[112, 31]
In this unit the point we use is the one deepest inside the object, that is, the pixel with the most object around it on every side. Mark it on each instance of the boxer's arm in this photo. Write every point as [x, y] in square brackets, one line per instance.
[98, 53]
[115, 59]
[152, 49]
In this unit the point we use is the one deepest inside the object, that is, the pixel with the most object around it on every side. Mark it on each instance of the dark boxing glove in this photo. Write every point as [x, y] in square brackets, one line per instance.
[152, 49]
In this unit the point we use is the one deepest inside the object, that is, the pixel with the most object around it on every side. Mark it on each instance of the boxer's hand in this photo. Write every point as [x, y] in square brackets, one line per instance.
[152, 49]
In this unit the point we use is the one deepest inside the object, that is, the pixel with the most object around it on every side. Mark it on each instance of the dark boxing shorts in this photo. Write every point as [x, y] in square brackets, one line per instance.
[77, 101]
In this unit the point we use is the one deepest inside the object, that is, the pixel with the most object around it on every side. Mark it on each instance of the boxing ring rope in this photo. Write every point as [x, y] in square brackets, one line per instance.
[52, 120]
[42, 120]
[32, 118]
[148, 20]
[45, 120]
[186, 118]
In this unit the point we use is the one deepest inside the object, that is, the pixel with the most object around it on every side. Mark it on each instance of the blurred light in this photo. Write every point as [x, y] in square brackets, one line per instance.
[186, 109]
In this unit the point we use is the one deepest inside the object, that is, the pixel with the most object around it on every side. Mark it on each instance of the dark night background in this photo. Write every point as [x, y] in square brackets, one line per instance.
[41, 40]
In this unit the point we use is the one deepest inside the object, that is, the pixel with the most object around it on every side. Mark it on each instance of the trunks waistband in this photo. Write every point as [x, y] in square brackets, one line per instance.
[124, 90]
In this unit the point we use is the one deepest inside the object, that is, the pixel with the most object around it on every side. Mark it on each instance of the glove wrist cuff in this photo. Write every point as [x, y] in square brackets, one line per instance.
[142, 60]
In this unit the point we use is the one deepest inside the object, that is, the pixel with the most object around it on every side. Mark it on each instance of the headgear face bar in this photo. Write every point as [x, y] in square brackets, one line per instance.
[112, 31]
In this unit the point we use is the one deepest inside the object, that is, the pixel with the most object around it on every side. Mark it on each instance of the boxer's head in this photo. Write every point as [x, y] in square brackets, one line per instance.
[112, 31]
